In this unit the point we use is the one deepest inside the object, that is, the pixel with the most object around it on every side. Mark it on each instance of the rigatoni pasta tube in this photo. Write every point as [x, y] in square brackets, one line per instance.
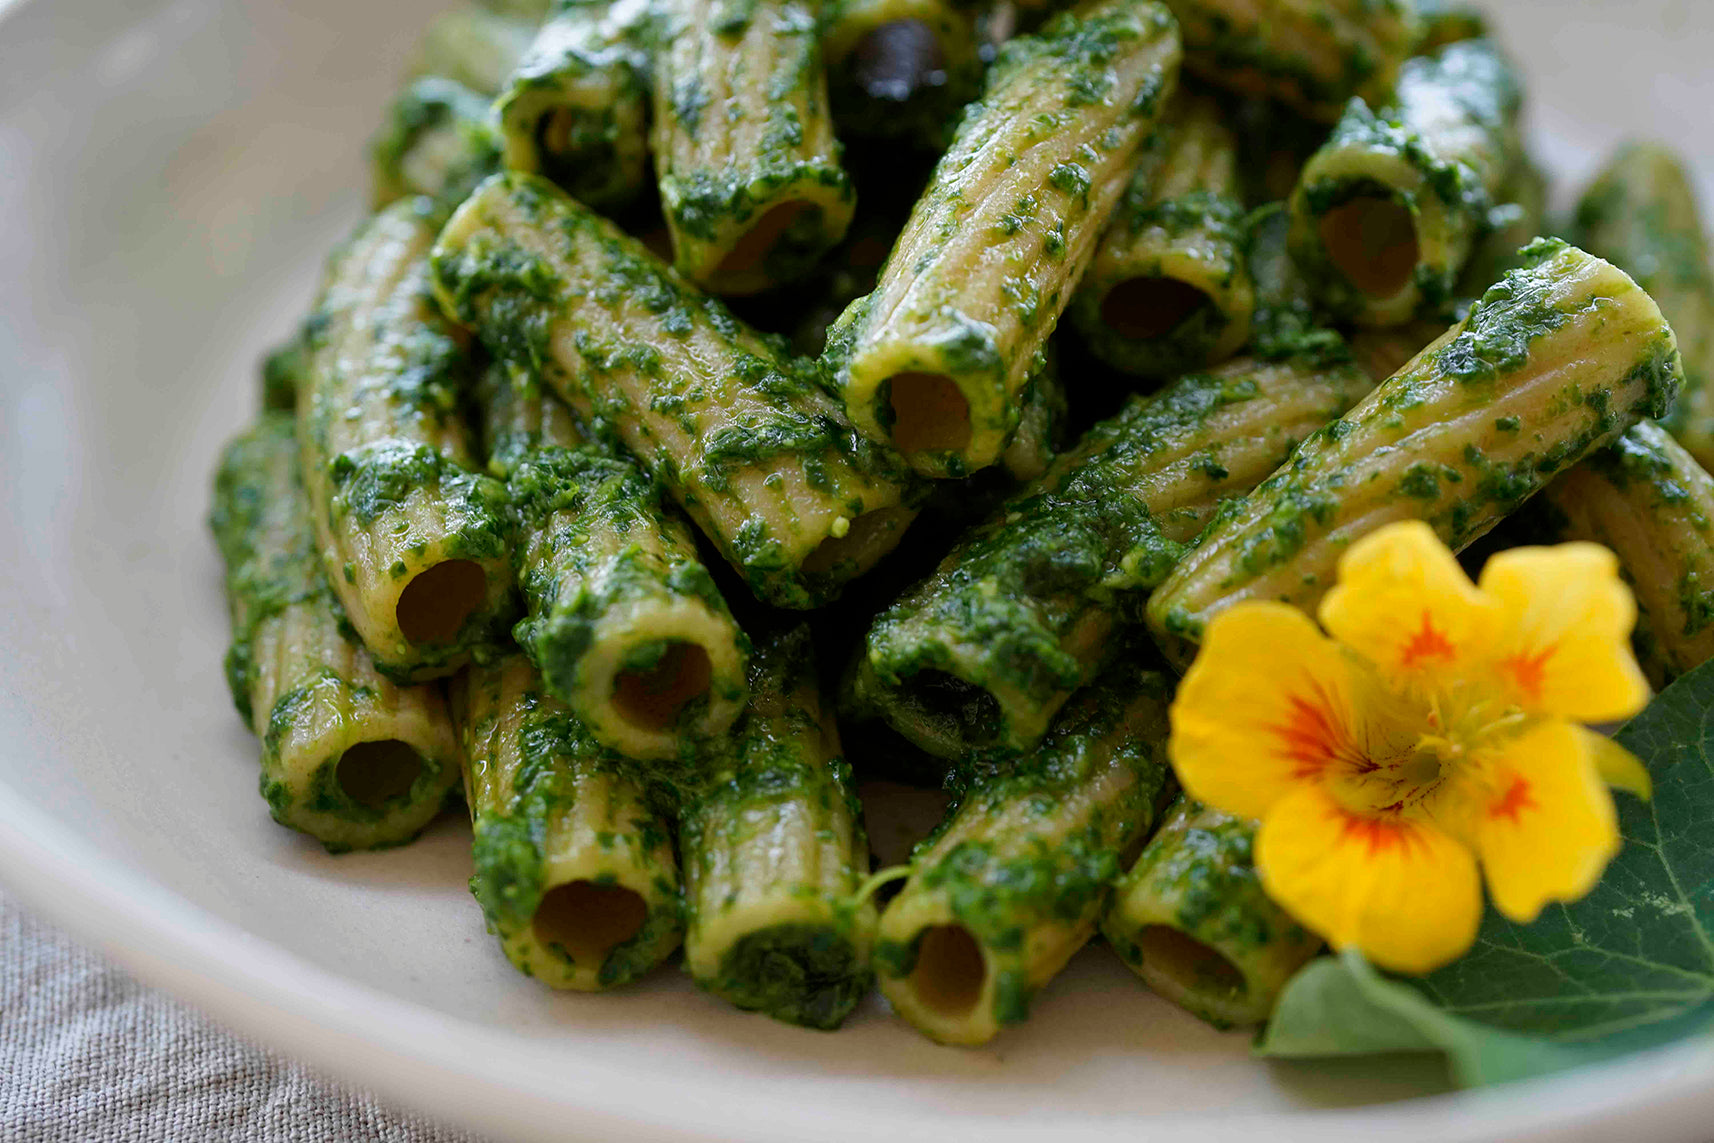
[1645, 498]
[1554, 362]
[574, 870]
[1169, 289]
[576, 107]
[1192, 919]
[1641, 214]
[1386, 214]
[1024, 611]
[745, 440]
[621, 618]
[751, 183]
[774, 853]
[1003, 894]
[415, 541]
[1312, 54]
[934, 358]
[900, 68]
[347, 757]
[436, 141]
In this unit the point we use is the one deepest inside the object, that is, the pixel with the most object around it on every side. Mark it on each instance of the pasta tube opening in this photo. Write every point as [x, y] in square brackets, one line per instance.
[1372, 241]
[563, 136]
[1176, 964]
[1144, 308]
[944, 698]
[1011, 884]
[930, 413]
[347, 756]
[774, 854]
[437, 603]
[1170, 290]
[1192, 920]
[586, 921]
[375, 773]
[800, 972]
[653, 696]
[951, 973]
[574, 868]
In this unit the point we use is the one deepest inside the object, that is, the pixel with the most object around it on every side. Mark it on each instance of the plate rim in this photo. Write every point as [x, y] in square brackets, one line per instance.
[418, 1058]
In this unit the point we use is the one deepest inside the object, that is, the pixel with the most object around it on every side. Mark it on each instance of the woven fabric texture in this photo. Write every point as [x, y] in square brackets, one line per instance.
[88, 1055]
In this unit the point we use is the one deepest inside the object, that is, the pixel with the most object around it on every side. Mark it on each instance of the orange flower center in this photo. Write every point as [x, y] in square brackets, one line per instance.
[1410, 752]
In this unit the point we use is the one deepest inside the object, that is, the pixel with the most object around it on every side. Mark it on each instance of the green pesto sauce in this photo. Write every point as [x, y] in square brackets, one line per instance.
[372, 482]
[575, 509]
[1639, 462]
[1461, 496]
[1476, 80]
[809, 975]
[1661, 255]
[1080, 52]
[1447, 22]
[703, 202]
[1074, 544]
[589, 64]
[266, 539]
[1286, 323]
[1004, 889]
[1208, 871]
[1211, 223]
[1225, 48]
[324, 797]
[1070, 64]
[554, 748]
[802, 974]
[408, 385]
[515, 301]
[1018, 584]
[439, 127]
[1502, 326]
[920, 113]
[284, 370]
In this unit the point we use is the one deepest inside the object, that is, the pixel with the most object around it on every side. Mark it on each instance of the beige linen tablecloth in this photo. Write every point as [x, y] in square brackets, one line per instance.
[88, 1055]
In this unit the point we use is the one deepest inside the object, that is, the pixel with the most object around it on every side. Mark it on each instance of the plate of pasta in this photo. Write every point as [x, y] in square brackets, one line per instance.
[805, 570]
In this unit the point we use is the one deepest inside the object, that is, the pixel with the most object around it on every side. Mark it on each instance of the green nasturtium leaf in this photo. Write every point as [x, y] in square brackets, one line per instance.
[1631, 966]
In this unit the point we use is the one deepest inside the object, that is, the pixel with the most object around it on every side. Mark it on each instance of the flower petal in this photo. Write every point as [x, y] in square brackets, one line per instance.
[1401, 891]
[1618, 767]
[1564, 645]
[1403, 603]
[1549, 827]
[1266, 705]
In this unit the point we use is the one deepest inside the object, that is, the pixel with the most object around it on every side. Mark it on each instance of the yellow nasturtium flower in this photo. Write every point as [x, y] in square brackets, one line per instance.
[1434, 740]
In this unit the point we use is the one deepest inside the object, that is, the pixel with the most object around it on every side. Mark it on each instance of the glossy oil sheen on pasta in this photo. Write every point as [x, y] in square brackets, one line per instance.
[934, 359]
[415, 540]
[1554, 362]
[347, 757]
[621, 617]
[742, 437]
[670, 314]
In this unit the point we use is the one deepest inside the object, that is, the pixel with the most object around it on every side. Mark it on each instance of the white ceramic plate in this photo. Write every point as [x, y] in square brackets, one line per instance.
[171, 173]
